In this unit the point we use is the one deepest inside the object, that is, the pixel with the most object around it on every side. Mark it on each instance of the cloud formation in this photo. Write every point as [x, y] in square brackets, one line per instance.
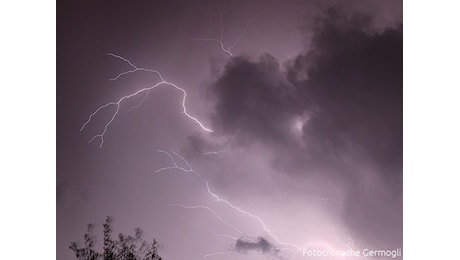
[262, 246]
[335, 108]
[344, 92]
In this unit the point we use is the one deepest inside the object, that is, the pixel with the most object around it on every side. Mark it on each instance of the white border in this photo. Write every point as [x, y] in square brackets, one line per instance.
[28, 123]
[431, 130]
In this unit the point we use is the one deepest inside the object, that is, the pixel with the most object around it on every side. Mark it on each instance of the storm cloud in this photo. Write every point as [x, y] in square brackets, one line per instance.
[261, 246]
[334, 110]
[344, 92]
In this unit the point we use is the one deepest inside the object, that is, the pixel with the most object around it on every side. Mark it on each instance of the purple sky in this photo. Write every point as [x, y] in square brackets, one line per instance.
[307, 114]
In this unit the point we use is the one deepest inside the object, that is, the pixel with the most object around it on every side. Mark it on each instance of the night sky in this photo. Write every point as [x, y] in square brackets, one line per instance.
[306, 119]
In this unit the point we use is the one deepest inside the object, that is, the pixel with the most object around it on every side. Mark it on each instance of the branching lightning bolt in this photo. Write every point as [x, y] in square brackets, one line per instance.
[249, 22]
[175, 165]
[189, 169]
[220, 40]
[146, 91]
[140, 103]
[212, 212]
[258, 219]
[295, 249]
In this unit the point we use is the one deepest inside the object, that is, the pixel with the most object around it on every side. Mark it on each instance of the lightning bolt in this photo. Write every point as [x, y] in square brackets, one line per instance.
[163, 81]
[220, 40]
[220, 253]
[215, 152]
[295, 249]
[244, 212]
[214, 213]
[174, 163]
[189, 169]
[146, 95]
[146, 91]
[227, 236]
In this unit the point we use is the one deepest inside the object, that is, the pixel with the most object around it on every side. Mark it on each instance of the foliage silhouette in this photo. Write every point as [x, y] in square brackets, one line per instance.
[126, 247]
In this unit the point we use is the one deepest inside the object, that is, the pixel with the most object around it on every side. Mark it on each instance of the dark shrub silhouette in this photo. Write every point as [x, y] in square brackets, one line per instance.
[123, 248]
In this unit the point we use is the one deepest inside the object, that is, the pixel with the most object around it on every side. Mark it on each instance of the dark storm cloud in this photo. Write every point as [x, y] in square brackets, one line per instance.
[254, 101]
[349, 82]
[355, 80]
[261, 246]
[346, 87]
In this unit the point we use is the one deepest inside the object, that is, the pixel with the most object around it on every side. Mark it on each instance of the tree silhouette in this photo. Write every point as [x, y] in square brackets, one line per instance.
[126, 247]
